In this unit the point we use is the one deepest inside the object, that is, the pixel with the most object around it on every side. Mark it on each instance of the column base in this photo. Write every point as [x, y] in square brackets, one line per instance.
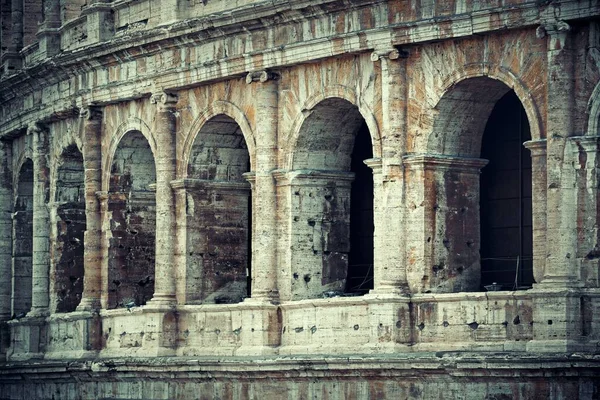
[161, 302]
[89, 304]
[38, 313]
[388, 291]
[264, 297]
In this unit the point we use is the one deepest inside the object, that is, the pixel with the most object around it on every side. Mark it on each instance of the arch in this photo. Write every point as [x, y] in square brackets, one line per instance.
[70, 227]
[336, 91]
[24, 156]
[331, 192]
[593, 109]
[132, 124]
[506, 80]
[22, 257]
[218, 218]
[217, 108]
[131, 209]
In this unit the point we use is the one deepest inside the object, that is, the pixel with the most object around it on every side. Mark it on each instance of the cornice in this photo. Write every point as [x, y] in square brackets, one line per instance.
[199, 31]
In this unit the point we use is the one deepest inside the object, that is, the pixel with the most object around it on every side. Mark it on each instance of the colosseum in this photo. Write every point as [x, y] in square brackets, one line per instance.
[299, 199]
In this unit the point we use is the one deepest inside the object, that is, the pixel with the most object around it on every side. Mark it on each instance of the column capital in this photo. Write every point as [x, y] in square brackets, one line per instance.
[261, 76]
[102, 195]
[375, 164]
[537, 147]
[587, 143]
[552, 27]
[250, 177]
[36, 128]
[91, 112]
[391, 53]
[164, 99]
[308, 177]
[463, 164]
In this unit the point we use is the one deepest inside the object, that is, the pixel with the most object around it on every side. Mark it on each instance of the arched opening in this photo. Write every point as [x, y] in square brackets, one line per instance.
[218, 215]
[23, 242]
[360, 258]
[481, 223]
[332, 203]
[132, 215]
[71, 225]
[506, 215]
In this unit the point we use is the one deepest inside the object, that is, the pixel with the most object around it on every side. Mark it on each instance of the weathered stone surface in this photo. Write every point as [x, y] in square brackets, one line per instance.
[270, 199]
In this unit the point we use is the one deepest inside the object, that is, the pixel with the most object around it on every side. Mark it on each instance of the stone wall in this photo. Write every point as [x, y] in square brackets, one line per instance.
[191, 185]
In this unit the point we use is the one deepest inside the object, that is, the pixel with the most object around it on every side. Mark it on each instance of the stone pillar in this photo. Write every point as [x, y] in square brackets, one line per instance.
[560, 269]
[6, 206]
[316, 226]
[41, 224]
[584, 153]
[442, 223]
[264, 201]
[92, 239]
[165, 130]
[180, 249]
[102, 197]
[99, 20]
[557, 302]
[388, 177]
[12, 59]
[6, 202]
[538, 204]
[48, 32]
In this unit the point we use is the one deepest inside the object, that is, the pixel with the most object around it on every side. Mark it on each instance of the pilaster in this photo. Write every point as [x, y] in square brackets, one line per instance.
[264, 201]
[92, 253]
[99, 20]
[41, 225]
[388, 176]
[538, 203]
[165, 128]
[48, 32]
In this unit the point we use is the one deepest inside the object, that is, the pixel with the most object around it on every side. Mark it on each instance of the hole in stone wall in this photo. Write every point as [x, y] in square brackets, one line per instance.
[71, 225]
[131, 207]
[23, 241]
[506, 220]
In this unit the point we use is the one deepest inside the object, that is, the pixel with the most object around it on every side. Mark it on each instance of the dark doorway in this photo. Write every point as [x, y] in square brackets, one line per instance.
[70, 228]
[506, 228]
[22, 267]
[360, 259]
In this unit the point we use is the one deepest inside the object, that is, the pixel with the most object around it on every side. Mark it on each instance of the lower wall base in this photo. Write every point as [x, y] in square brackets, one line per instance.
[447, 375]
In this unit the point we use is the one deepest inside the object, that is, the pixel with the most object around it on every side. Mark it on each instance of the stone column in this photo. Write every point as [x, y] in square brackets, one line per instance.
[561, 238]
[557, 302]
[99, 20]
[180, 249]
[165, 130]
[264, 201]
[92, 239]
[6, 206]
[12, 59]
[442, 223]
[48, 32]
[538, 204]
[388, 177]
[41, 224]
[585, 155]
[102, 197]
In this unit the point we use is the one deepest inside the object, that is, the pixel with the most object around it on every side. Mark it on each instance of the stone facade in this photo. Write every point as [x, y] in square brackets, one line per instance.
[299, 199]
